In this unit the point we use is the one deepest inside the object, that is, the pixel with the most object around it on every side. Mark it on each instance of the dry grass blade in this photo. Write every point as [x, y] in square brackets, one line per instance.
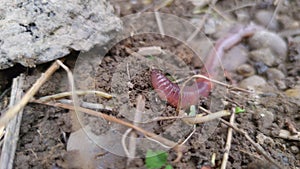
[11, 112]
[78, 92]
[201, 119]
[195, 119]
[228, 142]
[13, 127]
[245, 134]
[94, 106]
[159, 24]
[256, 145]
[140, 108]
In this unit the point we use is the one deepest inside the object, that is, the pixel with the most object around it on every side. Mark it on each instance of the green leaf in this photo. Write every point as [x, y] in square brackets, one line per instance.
[150, 57]
[168, 167]
[239, 110]
[155, 159]
[170, 78]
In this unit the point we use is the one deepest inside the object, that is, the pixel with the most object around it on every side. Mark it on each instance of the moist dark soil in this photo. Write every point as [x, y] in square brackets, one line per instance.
[45, 134]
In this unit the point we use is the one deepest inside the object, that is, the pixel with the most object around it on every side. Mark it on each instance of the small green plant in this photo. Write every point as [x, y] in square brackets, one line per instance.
[192, 110]
[239, 110]
[157, 159]
[150, 57]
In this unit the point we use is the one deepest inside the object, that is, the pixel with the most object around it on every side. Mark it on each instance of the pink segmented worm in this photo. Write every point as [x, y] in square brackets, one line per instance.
[190, 95]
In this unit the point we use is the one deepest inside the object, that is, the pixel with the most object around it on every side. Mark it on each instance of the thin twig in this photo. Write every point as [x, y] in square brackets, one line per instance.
[190, 135]
[245, 134]
[199, 27]
[12, 129]
[220, 13]
[158, 138]
[209, 117]
[278, 3]
[123, 141]
[73, 89]
[78, 92]
[228, 142]
[195, 119]
[240, 7]
[94, 106]
[140, 108]
[220, 83]
[11, 112]
[256, 145]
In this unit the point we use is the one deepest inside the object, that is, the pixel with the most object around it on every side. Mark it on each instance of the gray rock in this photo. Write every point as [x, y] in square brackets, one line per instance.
[265, 18]
[263, 55]
[252, 81]
[275, 74]
[235, 57]
[294, 149]
[243, 16]
[266, 39]
[34, 32]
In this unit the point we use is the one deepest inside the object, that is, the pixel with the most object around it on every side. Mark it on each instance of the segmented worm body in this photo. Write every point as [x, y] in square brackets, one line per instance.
[189, 95]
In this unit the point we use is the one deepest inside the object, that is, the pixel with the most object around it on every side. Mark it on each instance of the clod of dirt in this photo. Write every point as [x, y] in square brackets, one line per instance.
[264, 118]
[34, 32]
[261, 164]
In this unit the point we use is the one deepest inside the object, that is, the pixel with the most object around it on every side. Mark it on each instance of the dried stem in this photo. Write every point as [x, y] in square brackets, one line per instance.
[245, 134]
[140, 108]
[11, 112]
[12, 129]
[256, 145]
[196, 119]
[228, 142]
[78, 92]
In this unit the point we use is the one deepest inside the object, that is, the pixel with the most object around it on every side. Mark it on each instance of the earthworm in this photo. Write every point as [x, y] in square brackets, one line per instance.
[190, 95]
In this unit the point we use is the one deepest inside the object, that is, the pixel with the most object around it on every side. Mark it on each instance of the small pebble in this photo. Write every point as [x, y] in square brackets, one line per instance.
[266, 39]
[242, 16]
[260, 67]
[264, 55]
[252, 81]
[245, 70]
[265, 18]
[150, 51]
[294, 149]
[235, 57]
[274, 74]
[294, 93]
[210, 26]
[280, 84]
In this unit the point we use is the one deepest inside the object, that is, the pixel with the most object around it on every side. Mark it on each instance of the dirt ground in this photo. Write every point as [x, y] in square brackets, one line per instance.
[47, 138]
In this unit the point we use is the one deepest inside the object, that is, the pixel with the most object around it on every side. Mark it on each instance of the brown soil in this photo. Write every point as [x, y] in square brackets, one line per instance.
[45, 130]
